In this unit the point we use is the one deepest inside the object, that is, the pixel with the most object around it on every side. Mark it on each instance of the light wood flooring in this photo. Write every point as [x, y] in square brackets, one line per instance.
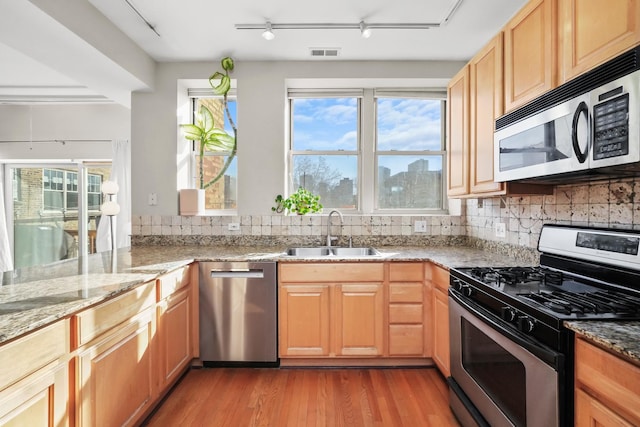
[299, 397]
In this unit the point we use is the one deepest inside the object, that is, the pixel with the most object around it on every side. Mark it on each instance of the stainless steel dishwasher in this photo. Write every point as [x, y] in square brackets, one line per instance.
[238, 313]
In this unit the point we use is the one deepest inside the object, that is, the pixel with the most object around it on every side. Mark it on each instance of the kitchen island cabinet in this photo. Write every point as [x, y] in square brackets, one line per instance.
[35, 378]
[607, 387]
[115, 371]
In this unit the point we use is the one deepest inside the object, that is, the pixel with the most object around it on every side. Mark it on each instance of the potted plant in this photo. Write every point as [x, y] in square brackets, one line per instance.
[301, 202]
[210, 136]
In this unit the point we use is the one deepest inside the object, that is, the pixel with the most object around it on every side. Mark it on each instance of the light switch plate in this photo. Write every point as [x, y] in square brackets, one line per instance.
[420, 226]
[501, 229]
[153, 199]
[233, 226]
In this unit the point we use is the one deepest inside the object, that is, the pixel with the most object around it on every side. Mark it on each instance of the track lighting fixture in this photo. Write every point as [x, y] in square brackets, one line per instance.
[267, 34]
[365, 31]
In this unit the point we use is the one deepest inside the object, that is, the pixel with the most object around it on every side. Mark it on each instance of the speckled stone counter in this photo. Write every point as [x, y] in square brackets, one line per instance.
[33, 297]
[618, 336]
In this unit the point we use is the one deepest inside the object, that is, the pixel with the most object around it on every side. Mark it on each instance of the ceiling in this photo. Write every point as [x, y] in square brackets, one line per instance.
[95, 50]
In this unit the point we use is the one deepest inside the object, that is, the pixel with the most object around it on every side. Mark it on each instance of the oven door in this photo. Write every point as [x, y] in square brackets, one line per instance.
[499, 372]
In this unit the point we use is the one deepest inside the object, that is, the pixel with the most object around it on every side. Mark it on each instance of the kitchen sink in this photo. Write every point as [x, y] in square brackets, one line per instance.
[326, 251]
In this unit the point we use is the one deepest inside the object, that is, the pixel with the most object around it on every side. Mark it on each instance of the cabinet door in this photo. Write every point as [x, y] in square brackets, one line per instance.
[595, 31]
[530, 53]
[40, 399]
[591, 412]
[441, 331]
[486, 105]
[458, 134]
[174, 337]
[115, 375]
[304, 320]
[359, 319]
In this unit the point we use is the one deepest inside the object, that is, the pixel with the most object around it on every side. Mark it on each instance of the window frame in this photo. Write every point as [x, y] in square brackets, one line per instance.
[367, 147]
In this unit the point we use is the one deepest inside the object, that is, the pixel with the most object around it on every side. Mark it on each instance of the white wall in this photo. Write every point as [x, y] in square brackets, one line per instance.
[158, 150]
[92, 127]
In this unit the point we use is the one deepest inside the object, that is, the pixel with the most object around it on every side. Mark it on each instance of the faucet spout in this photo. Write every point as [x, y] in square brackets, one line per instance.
[331, 238]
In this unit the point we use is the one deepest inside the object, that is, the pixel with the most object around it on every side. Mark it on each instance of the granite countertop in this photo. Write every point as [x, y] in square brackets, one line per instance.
[618, 336]
[33, 297]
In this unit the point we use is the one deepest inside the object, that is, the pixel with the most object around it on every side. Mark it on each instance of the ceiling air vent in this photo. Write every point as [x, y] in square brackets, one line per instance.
[318, 52]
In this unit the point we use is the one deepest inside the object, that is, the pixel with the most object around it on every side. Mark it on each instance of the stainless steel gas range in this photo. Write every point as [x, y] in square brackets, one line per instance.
[511, 356]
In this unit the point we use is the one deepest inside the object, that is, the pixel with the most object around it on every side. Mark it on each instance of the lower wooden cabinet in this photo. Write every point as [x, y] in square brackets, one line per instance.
[173, 337]
[607, 388]
[440, 280]
[34, 387]
[360, 311]
[116, 375]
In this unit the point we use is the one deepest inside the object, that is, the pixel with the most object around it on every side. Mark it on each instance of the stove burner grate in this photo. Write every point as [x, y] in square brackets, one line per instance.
[583, 303]
[517, 275]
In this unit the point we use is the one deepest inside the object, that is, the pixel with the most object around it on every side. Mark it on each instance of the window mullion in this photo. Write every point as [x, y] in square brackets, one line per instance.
[368, 175]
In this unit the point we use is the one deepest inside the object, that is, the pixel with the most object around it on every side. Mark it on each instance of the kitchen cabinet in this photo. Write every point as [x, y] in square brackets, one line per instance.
[331, 309]
[115, 371]
[175, 320]
[439, 277]
[594, 31]
[475, 99]
[607, 387]
[35, 378]
[530, 53]
[408, 309]
[458, 134]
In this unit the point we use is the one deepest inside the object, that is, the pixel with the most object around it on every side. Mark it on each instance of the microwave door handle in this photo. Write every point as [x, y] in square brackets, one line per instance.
[580, 155]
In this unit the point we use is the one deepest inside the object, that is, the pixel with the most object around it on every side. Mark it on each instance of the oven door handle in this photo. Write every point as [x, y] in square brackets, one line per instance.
[550, 357]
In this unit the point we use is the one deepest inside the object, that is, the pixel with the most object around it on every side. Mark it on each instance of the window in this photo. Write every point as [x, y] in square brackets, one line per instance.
[60, 190]
[388, 159]
[324, 156]
[222, 195]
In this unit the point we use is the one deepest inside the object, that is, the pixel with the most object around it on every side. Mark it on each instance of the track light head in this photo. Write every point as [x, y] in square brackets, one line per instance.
[267, 34]
[365, 31]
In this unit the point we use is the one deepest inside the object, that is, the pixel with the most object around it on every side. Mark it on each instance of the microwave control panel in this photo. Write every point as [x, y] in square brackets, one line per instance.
[611, 128]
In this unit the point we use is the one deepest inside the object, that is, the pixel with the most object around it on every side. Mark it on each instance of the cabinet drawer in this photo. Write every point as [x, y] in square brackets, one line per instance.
[406, 340]
[405, 292]
[332, 272]
[171, 282]
[405, 313]
[609, 378]
[30, 353]
[99, 319]
[406, 272]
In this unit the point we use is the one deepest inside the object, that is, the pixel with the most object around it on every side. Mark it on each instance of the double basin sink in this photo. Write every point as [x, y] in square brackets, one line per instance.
[331, 251]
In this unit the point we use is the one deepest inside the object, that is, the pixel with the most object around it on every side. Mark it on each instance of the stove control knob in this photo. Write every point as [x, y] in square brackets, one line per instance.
[526, 324]
[509, 314]
[467, 290]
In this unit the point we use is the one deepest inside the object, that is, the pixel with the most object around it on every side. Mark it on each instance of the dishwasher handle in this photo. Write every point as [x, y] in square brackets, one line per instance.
[240, 273]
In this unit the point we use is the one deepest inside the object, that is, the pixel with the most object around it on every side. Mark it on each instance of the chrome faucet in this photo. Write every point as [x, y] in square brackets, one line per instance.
[329, 237]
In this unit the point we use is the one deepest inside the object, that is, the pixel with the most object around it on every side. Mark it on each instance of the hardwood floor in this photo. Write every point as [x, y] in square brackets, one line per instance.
[307, 397]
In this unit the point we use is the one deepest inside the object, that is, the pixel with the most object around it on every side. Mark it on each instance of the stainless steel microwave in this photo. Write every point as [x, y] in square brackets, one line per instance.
[587, 129]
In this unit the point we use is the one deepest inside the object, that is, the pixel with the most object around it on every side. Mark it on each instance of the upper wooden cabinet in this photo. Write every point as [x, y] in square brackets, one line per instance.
[458, 134]
[485, 71]
[594, 31]
[530, 53]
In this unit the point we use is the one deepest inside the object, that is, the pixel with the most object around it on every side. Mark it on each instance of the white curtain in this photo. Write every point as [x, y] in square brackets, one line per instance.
[121, 174]
[6, 262]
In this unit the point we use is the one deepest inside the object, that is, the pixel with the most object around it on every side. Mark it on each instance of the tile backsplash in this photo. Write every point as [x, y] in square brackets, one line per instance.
[610, 203]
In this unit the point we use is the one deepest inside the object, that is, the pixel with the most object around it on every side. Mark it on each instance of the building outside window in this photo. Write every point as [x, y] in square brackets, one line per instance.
[221, 196]
[343, 144]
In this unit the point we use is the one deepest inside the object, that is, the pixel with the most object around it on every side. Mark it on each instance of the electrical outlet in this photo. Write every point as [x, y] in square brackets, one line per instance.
[420, 226]
[500, 229]
[233, 226]
[153, 199]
